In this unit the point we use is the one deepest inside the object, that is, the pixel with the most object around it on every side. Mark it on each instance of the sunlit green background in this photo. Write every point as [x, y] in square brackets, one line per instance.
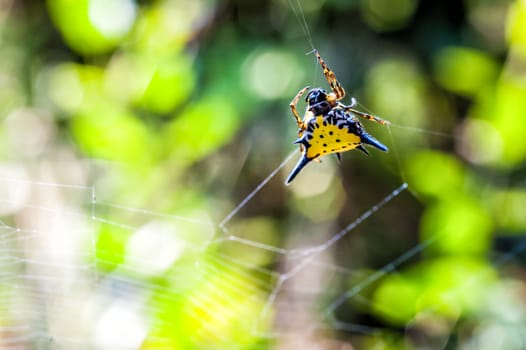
[132, 128]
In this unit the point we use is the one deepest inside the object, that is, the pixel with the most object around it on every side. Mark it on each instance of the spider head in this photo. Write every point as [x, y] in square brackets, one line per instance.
[316, 96]
[318, 101]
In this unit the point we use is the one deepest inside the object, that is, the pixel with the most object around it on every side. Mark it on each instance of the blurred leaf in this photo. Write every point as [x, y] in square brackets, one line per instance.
[112, 134]
[65, 85]
[448, 286]
[460, 224]
[200, 129]
[110, 246]
[516, 26]
[218, 311]
[77, 21]
[222, 311]
[508, 209]
[508, 118]
[395, 299]
[271, 73]
[465, 71]
[167, 26]
[454, 284]
[435, 174]
[396, 89]
[171, 83]
[481, 142]
[76, 87]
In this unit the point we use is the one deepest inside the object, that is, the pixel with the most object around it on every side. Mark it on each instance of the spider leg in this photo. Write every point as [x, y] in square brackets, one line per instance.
[293, 104]
[364, 115]
[338, 90]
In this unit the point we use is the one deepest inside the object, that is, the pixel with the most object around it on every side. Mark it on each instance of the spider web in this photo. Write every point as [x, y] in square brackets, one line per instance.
[60, 290]
[56, 293]
[46, 276]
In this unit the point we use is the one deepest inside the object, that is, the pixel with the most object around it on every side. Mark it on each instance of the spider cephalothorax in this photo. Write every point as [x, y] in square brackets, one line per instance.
[328, 125]
[318, 103]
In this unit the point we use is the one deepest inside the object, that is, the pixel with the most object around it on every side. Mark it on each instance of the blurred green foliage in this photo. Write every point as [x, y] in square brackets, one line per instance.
[182, 107]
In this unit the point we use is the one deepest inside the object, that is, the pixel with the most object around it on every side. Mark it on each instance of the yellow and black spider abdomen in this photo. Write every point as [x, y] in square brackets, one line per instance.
[335, 132]
[324, 137]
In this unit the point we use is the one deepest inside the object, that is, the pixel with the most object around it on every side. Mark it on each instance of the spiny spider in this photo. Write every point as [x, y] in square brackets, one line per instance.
[328, 125]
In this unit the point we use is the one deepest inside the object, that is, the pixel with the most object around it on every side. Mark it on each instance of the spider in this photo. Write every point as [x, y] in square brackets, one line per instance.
[329, 126]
